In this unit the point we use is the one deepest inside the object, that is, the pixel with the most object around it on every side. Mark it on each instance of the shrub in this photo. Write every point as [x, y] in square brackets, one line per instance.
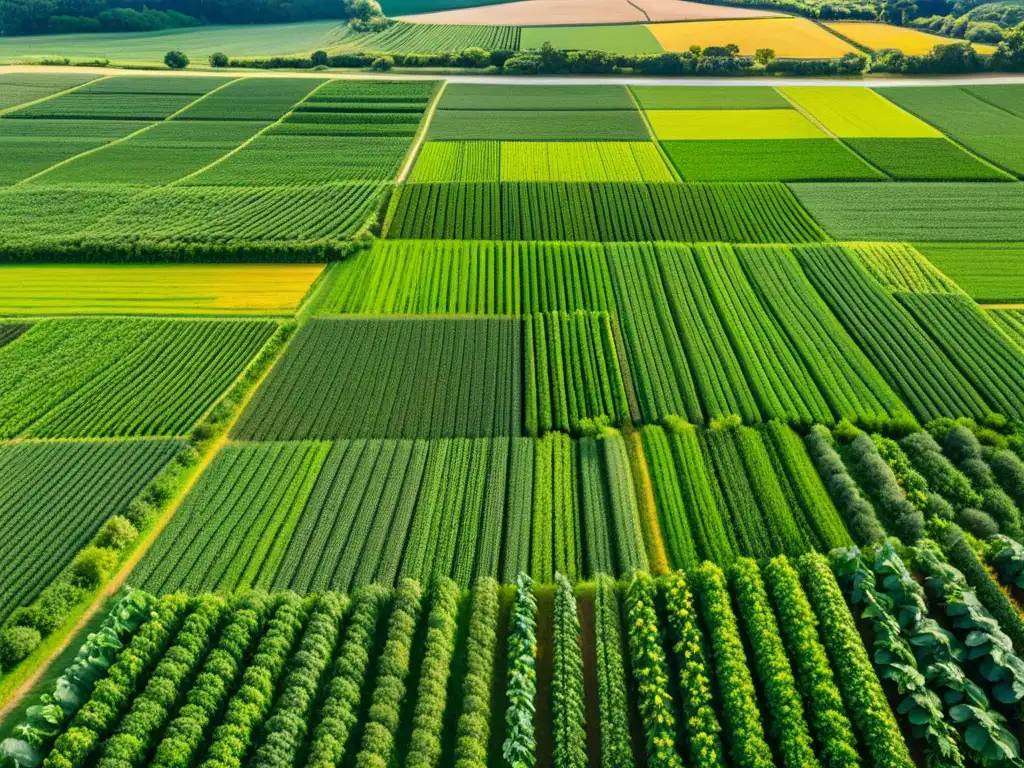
[116, 534]
[382, 64]
[176, 60]
[319, 58]
[92, 567]
[16, 643]
[219, 59]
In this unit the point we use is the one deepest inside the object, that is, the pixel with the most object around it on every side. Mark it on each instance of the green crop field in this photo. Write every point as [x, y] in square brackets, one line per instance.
[988, 272]
[622, 38]
[578, 426]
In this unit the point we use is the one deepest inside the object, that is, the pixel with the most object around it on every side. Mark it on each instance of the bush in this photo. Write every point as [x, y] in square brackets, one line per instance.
[319, 58]
[476, 58]
[116, 534]
[382, 64]
[16, 643]
[983, 32]
[977, 523]
[92, 567]
[218, 59]
[176, 60]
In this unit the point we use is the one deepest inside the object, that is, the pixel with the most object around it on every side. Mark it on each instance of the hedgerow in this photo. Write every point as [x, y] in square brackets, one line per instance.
[251, 702]
[473, 729]
[154, 706]
[183, 738]
[285, 730]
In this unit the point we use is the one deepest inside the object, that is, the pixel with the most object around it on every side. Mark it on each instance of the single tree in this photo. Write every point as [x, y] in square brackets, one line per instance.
[216, 59]
[764, 56]
[176, 60]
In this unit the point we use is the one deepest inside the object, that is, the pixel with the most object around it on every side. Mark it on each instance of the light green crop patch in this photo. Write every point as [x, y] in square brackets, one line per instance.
[732, 124]
[858, 113]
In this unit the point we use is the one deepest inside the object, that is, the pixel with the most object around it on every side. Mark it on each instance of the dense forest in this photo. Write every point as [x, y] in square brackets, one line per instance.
[29, 17]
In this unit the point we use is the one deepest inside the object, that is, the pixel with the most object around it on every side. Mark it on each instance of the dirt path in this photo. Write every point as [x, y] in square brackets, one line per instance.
[538, 80]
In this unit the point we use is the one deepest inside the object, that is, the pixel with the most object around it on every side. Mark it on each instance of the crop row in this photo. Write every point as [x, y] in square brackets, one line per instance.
[114, 377]
[738, 492]
[311, 516]
[751, 212]
[710, 666]
[403, 37]
[442, 378]
[55, 497]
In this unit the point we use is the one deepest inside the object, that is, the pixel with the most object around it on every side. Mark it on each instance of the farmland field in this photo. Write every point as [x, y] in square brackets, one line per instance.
[881, 37]
[163, 289]
[56, 496]
[788, 37]
[579, 425]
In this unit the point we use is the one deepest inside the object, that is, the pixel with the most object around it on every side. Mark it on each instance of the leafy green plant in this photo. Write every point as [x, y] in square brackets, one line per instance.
[520, 747]
[613, 700]
[567, 706]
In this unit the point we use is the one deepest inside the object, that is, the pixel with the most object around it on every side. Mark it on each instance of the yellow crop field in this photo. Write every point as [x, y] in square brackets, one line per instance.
[732, 124]
[163, 289]
[880, 37]
[790, 38]
[858, 113]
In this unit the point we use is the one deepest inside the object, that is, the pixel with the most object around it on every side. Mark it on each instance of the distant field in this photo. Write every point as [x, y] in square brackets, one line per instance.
[880, 37]
[954, 212]
[537, 13]
[425, 37]
[790, 38]
[196, 43]
[925, 160]
[767, 160]
[989, 272]
[20, 89]
[709, 97]
[623, 38]
[576, 125]
[724, 124]
[524, 97]
[163, 289]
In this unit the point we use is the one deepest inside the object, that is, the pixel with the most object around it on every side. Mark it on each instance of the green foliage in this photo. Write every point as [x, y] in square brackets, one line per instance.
[153, 707]
[741, 720]
[856, 511]
[568, 711]
[768, 160]
[298, 401]
[651, 673]
[381, 722]
[895, 642]
[881, 484]
[426, 739]
[702, 729]
[473, 729]
[612, 695]
[788, 727]
[873, 721]
[252, 701]
[182, 740]
[520, 747]
[17, 642]
[827, 716]
[344, 682]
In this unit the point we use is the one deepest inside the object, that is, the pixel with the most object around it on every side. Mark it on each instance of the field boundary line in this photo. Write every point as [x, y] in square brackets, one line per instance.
[1010, 175]
[66, 91]
[121, 140]
[248, 141]
[421, 135]
[115, 583]
[835, 137]
[673, 171]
